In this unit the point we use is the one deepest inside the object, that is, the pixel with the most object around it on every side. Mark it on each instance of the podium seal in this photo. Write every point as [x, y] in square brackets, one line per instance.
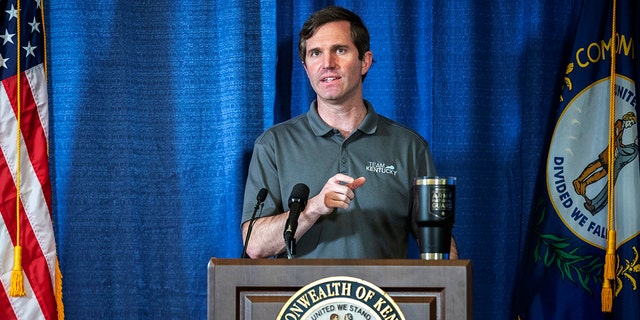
[340, 298]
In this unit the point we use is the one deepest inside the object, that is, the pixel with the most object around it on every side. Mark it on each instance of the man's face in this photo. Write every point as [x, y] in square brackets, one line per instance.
[332, 63]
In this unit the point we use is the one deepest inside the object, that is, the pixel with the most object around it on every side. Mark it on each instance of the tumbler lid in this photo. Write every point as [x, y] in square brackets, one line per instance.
[435, 181]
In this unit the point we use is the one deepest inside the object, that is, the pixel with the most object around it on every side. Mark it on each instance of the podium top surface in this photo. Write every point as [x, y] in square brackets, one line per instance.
[344, 262]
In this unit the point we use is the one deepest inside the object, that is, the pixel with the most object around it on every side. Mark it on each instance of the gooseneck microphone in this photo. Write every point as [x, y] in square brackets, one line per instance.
[297, 203]
[262, 195]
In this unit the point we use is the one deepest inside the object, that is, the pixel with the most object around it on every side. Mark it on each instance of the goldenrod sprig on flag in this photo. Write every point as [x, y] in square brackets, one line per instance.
[552, 249]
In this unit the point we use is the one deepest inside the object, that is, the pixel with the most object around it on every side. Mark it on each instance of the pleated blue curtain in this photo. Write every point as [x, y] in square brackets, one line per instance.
[156, 104]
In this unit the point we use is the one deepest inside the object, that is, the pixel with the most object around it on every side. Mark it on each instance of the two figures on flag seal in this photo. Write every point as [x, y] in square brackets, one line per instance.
[597, 169]
[578, 162]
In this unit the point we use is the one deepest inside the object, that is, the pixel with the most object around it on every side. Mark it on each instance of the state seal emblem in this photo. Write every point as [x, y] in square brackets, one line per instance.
[340, 298]
[578, 162]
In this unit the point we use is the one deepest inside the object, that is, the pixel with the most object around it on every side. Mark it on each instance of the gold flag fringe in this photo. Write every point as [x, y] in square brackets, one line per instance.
[58, 291]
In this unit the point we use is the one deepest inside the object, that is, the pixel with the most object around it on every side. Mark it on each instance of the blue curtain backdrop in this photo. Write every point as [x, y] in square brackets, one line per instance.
[156, 105]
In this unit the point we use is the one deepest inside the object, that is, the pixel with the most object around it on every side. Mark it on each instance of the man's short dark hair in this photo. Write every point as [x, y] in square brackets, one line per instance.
[359, 32]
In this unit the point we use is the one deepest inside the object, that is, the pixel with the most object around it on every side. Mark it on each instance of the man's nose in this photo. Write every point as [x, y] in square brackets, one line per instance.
[329, 61]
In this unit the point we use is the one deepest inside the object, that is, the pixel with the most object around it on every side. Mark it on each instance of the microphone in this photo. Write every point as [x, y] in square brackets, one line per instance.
[297, 202]
[262, 195]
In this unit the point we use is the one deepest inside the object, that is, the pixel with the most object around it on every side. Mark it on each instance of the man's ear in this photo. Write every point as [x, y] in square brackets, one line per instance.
[367, 60]
[304, 65]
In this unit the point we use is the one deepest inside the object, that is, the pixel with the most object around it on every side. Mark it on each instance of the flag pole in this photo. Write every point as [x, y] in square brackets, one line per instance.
[610, 257]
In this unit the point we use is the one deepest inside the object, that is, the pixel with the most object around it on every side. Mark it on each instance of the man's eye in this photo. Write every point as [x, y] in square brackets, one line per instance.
[314, 54]
[341, 50]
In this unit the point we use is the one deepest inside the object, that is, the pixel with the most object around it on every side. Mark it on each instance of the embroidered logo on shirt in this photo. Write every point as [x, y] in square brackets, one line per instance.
[381, 167]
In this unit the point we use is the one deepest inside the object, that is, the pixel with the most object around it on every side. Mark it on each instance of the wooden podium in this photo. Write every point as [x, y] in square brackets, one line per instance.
[257, 289]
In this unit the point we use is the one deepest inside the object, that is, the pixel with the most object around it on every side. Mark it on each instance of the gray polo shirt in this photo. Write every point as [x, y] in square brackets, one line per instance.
[306, 150]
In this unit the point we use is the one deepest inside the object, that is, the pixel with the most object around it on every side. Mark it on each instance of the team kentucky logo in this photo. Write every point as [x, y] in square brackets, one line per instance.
[578, 163]
[340, 298]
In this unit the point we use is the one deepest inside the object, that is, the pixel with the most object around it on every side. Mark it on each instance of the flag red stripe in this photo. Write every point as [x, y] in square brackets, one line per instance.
[5, 310]
[7, 201]
[35, 137]
[7, 198]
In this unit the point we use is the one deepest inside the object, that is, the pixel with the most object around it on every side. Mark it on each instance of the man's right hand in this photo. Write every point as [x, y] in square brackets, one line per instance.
[338, 192]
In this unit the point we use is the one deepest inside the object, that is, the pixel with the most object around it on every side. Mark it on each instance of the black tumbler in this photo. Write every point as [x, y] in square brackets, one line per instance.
[433, 215]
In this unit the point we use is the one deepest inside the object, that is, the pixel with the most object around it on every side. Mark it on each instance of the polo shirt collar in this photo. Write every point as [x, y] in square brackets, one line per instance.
[320, 128]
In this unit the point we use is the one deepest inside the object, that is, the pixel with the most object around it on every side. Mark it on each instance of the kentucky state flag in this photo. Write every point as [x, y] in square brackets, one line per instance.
[564, 268]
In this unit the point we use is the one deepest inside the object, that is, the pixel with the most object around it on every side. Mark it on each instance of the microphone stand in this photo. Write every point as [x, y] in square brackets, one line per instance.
[259, 205]
[290, 245]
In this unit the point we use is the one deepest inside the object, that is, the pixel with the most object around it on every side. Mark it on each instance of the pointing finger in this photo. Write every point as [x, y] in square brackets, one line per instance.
[357, 183]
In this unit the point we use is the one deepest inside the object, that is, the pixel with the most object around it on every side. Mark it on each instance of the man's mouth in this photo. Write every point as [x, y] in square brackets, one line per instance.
[329, 79]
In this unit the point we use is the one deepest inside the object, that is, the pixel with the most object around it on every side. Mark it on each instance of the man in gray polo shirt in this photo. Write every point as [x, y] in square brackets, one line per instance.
[359, 166]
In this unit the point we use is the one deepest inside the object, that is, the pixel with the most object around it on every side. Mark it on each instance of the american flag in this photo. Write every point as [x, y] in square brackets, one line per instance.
[28, 261]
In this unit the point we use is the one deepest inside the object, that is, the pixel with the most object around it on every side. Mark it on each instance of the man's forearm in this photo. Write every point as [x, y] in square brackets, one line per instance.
[267, 235]
[266, 238]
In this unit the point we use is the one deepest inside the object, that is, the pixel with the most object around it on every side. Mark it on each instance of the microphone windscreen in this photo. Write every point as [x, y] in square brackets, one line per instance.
[300, 193]
[262, 195]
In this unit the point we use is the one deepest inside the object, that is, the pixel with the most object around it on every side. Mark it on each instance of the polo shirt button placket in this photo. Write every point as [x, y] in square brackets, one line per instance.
[344, 168]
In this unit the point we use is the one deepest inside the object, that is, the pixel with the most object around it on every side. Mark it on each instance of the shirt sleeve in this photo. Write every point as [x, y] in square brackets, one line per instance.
[262, 173]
